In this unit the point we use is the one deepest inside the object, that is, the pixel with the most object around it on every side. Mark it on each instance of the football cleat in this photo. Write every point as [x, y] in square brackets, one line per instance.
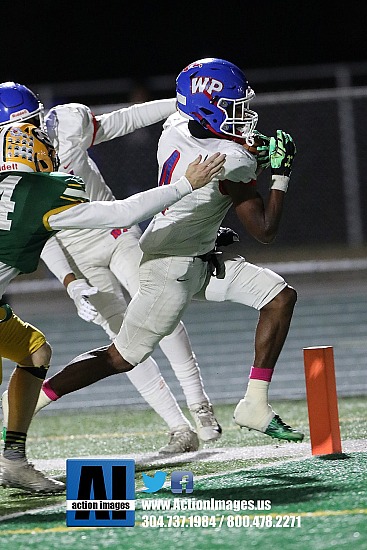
[265, 421]
[279, 430]
[207, 425]
[21, 474]
[182, 440]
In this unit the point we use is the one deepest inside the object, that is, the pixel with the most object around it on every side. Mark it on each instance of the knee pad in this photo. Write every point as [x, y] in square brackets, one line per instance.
[38, 372]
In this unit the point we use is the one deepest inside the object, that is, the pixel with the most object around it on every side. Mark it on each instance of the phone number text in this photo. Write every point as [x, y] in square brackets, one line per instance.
[230, 521]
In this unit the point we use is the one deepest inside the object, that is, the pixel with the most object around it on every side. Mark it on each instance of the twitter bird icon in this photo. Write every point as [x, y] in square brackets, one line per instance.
[153, 484]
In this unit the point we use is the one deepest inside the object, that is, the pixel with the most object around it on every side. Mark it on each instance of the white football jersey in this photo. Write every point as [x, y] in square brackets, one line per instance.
[189, 227]
[73, 129]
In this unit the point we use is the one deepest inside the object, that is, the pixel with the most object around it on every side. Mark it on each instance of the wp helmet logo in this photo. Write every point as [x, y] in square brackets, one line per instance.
[203, 84]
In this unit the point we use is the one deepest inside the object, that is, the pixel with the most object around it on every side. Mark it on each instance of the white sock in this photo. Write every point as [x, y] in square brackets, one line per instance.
[254, 410]
[43, 401]
[257, 391]
[177, 348]
[147, 379]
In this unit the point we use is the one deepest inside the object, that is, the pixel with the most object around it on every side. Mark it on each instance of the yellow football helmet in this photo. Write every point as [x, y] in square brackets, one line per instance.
[25, 148]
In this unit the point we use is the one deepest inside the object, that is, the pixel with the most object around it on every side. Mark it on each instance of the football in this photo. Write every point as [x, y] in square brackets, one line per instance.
[258, 142]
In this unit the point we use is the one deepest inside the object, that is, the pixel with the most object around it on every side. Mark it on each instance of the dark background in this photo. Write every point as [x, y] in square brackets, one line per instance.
[64, 41]
[47, 46]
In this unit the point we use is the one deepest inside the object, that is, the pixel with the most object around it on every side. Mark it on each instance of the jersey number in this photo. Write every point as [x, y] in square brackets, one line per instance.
[6, 204]
[168, 168]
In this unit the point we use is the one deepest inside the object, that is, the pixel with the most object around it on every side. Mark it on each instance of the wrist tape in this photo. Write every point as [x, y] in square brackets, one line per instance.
[279, 182]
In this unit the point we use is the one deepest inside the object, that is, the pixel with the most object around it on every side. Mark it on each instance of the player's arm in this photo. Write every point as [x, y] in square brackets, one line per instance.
[124, 121]
[69, 126]
[79, 290]
[262, 220]
[53, 256]
[138, 207]
[72, 128]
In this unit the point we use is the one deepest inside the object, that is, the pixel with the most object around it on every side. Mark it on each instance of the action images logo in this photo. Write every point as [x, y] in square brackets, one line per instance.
[100, 493]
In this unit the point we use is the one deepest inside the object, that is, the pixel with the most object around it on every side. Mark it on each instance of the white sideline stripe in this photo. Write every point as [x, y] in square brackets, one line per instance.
[220, 454]
[291, 453]
[306, 266]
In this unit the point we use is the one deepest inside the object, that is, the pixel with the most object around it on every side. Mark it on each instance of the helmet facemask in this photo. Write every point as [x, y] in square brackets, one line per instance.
[26, 148]
[240, 121]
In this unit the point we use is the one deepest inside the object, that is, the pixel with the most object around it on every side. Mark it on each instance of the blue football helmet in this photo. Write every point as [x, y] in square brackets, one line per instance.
[19, 103]
[215, 93]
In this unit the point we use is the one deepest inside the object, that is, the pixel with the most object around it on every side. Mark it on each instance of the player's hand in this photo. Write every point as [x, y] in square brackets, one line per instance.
[282, 151]
[79, 291]
[263, 143]
[226, 236]
[199, 172]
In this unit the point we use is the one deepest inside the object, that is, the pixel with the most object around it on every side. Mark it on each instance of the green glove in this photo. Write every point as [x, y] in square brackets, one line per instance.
[263, 160]
[282, 151]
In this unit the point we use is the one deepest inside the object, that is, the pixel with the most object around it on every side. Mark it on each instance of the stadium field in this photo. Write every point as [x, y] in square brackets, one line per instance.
[311, 502]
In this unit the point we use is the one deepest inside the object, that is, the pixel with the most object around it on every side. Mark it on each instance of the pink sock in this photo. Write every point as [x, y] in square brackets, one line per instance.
[261, 374]
[50, 392]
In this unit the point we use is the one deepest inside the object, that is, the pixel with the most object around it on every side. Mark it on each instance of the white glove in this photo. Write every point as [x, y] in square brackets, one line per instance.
[79, 291]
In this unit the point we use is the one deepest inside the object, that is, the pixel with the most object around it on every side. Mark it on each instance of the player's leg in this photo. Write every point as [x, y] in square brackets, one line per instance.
[176, 346]
[267, 292]
[26, 345]
[178, 350]
[148, 380]
[146, 377]
[153, 312]
[166, 287]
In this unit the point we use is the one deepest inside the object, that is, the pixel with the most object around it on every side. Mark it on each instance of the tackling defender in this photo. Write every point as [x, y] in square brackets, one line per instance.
[32, 190]
[213, 101]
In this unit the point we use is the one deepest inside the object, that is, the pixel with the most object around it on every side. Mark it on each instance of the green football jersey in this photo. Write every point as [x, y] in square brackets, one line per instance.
[25, 198]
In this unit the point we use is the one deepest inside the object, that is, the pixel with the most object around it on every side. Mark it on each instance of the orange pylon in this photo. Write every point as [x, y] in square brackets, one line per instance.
[322, 401]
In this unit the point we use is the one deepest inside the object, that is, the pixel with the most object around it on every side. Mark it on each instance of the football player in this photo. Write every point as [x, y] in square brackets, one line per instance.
[103, 260]
[213, 98]
[35, 202]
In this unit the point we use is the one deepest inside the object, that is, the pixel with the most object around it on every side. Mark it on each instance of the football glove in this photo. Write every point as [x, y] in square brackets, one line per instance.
[263, 160]
[282, 151]
[79, 291]
[226, 236]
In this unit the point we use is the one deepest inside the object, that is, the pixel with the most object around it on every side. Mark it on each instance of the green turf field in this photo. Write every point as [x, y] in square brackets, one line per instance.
[316, 502]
